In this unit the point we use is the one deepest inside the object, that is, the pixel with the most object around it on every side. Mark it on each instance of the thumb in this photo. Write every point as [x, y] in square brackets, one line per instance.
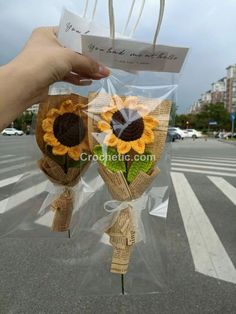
[87, 67]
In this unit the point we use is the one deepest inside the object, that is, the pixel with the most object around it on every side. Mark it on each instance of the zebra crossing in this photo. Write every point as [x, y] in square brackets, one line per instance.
[28, 188]
[208, 253]
[210, 257]
[225, 167]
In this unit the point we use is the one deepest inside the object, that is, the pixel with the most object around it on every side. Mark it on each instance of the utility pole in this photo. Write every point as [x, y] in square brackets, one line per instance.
[232, 118]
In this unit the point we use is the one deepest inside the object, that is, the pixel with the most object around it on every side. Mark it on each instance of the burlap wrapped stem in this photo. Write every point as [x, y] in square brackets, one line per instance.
[59, 167]
[122, 233]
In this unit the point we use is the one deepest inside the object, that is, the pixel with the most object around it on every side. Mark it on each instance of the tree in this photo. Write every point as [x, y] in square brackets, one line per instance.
[213, 112]
[173, 112]
[200, 121]
[23, 121]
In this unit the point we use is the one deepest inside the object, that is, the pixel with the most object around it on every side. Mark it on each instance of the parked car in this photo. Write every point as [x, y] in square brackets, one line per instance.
[172, 136]
[178, 131]
[192, 133]
[229, 135]
[12, 131]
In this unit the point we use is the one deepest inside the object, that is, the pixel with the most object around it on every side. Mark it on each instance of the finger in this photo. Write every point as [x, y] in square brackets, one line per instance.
[87, 67]
[77, 80]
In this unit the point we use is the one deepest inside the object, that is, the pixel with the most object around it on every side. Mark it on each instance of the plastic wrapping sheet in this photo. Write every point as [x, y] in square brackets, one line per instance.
[144, 270]
[32, 216]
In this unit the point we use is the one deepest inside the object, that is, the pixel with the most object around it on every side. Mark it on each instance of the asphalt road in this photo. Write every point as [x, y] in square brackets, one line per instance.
[197, 264]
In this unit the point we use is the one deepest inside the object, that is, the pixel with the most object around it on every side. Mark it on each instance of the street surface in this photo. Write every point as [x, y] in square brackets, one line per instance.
[201, 239]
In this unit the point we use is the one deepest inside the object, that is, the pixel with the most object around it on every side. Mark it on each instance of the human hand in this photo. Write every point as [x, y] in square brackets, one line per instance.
[26, 79]
[46, 62]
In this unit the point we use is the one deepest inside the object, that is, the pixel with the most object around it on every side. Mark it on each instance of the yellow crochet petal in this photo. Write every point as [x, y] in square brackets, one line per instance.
[60, 150]
[118, 102]
[47, 125]
[74, 152]
[138, 146]
[50, 139]
[123, 147]
[151, 122]
[53, 113]
[111, 140]
[148, 136]
[107, 116]
[131, 102]
[67, 106]
[143, 111]
[104, 126]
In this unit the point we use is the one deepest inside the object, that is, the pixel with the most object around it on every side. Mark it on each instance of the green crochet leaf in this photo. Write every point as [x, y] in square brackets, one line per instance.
[109, 158]
[143, 163]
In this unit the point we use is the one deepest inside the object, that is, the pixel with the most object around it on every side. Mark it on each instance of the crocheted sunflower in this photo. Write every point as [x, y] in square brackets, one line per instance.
[65, 130]
[127, 125]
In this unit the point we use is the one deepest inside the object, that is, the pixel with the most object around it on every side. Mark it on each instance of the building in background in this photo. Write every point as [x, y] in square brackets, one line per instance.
[218, 91]
[231, 88]
[206, 98]
[34, 109]
[222, 91]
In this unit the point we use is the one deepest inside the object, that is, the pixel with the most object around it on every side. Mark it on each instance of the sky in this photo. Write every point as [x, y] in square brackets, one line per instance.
[206, 27]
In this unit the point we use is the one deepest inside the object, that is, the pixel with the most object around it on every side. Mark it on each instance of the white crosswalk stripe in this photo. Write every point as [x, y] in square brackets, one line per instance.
[225, 167]
[225, 160]
[225, 187]
[6, 156]
[206, 157]
[10, 180]
[16, 178]
[13, 160]
[203, 166]
[23, 196]
[202, 162]
[224, 174]
[208, 253]
[16, 167]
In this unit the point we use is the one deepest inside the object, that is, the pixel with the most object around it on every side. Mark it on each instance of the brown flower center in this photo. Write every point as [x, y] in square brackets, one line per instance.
[127, 124]
[69, 129]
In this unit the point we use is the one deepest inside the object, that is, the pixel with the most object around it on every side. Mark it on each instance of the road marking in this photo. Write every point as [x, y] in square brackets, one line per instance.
[10, 180]
[204, 162]
[203, 159]
[14, 159]
[22, 197]
[15, 167]
[6, 156]
[203, 166]
[206, 157]
[225, 187]
[223, 174]
[14, 179]
[208, 253]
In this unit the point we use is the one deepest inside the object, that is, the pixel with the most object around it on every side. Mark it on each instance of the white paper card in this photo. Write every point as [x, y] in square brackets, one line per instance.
[133, 55]
[72, 26]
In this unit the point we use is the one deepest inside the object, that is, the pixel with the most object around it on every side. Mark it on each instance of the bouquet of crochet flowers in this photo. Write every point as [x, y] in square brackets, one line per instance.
[62, 136]
[127, 136]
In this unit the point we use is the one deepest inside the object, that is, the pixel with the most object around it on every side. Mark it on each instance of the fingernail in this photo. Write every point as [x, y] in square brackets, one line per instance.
[85, 82]
[103, 71]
